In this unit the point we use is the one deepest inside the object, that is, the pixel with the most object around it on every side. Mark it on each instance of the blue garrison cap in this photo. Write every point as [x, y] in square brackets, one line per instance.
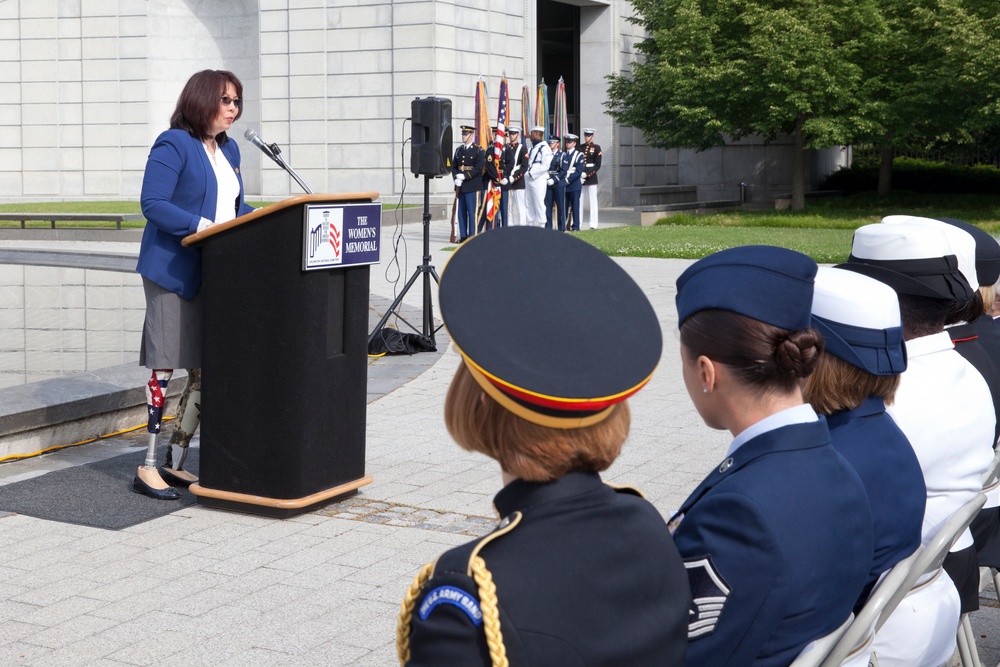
[860, 321]
[766, 283]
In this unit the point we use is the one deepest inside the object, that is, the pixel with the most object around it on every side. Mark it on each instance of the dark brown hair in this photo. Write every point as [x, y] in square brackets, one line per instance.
[836, 386]
[760, 355]
[532, 452]
[199, 103]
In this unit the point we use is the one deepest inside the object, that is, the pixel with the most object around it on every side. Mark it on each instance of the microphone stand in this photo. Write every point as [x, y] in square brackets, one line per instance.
[276, 156]
[427, 271]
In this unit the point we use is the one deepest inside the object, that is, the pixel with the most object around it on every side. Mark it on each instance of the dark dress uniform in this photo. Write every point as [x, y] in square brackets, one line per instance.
[556, 193]
[573, 166]
[555, 534]
[515, 166]
[469, 160]
[492, 174]
[778, 545]
[592, 156]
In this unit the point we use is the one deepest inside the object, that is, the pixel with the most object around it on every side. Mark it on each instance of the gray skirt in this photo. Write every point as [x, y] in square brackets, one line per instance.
[171, 332]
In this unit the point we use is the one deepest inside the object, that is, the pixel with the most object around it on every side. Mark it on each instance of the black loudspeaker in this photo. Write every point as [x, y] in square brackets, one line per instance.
[430, 146]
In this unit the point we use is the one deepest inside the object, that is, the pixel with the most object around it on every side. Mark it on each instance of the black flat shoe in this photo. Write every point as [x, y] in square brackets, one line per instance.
[174, 480]
[168, 493]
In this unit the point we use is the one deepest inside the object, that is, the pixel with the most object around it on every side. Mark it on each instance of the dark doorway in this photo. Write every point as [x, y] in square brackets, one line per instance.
[559, 55]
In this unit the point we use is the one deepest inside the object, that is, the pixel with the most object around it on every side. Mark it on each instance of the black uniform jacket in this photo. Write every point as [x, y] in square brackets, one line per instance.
[471, 161]
[592, 156]
[515, 165]
[585, 574]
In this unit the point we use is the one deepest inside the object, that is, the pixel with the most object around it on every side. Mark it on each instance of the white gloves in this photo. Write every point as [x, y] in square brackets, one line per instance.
[504, 182]
[551, 182]
[458, 182]
[204, 224]
[460, 178]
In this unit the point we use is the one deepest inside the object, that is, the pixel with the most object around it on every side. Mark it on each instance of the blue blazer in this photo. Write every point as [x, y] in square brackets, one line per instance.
[888, 467]
[178, 190]
[777, 542]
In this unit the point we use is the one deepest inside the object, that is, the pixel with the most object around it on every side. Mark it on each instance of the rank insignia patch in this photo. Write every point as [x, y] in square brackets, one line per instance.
[455, 597]
[709, 593]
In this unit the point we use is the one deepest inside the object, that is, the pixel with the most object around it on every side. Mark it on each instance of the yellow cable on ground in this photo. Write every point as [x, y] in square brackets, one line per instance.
[15, 457]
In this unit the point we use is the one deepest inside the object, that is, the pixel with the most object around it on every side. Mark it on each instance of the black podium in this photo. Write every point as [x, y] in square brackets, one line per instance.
[284, 366]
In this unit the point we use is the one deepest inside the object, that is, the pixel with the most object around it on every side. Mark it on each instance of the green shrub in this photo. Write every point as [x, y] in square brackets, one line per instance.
[918, 176]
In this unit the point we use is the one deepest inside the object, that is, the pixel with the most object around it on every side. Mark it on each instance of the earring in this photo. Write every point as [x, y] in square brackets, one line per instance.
[704, 390]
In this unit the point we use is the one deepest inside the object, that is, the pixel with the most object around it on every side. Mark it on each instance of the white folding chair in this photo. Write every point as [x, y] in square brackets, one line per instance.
[967, 650]
[900, 580]
[816, 651]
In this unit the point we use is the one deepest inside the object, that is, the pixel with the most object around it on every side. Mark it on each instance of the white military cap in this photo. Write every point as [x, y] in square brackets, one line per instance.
[961, 243]
[538, 128]
[860, 321]
[515, 129]
[588, 130]
[911, 258]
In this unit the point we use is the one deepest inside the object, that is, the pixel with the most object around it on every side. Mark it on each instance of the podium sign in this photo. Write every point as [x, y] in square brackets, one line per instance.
[284, 357]
[344, 235]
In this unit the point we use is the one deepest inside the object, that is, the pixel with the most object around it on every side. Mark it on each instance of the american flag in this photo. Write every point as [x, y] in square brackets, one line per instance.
[493, 193]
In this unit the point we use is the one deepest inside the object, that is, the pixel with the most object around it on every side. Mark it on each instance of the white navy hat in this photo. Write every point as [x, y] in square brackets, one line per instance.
[860, 321]
[515, 129]
[538, 128]
[588, 130]
[572, 137]
[907, 256]
[962, 244]
[987, 251]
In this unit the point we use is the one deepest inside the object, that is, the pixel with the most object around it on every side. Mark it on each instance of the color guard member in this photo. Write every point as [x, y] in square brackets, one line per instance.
[467, 169]
[572, 165]
[592, 157]
[515, 166]
[539, 158]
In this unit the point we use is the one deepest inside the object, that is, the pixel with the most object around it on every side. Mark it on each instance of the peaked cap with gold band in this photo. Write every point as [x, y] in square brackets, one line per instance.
[554, 350]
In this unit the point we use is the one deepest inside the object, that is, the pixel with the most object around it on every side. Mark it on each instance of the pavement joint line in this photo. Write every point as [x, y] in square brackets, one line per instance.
[371, 510]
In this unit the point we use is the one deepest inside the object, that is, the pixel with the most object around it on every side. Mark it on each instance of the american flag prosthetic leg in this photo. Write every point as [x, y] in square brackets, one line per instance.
[147, 479]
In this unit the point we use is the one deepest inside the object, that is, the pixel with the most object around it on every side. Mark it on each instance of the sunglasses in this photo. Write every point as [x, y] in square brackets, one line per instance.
[226, 101]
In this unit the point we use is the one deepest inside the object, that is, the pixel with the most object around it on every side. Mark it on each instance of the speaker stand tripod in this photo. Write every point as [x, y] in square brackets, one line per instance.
[427, 271]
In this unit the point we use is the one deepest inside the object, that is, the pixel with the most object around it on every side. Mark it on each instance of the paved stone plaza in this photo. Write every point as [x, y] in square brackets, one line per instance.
[208, 587]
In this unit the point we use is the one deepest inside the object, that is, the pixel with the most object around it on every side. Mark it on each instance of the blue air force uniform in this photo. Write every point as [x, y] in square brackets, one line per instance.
[872, 443]
[573, 167]
[767, 576]
[549, 613]
[555, 194]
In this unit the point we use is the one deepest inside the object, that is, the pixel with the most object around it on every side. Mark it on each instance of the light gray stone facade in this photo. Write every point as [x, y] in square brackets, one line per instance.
[86, 85]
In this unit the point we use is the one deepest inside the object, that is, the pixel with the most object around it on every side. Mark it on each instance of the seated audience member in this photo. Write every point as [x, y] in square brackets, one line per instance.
[943, 406]
[577, 572]
[856, 378]
[777, 540]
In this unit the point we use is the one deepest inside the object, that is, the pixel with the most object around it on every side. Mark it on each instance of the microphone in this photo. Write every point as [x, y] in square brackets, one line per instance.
[251, 136]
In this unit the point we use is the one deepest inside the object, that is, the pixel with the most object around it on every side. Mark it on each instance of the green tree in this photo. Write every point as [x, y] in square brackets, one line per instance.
[930, 78]
[712, 70]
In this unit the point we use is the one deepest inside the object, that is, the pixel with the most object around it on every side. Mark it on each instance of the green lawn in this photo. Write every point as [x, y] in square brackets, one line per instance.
[822, 231]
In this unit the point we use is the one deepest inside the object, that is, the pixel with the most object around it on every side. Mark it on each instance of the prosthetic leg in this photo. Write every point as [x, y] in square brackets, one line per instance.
[147, 480]
[188, 418]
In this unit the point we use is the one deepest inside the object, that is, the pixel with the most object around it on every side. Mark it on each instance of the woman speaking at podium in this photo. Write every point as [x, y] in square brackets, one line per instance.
[192, 181]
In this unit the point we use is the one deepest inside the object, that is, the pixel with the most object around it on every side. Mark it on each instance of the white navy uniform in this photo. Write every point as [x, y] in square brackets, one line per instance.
[944, 407]
[536, 179]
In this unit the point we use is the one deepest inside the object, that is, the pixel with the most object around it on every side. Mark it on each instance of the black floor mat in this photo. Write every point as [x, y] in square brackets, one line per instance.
[95, 494]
